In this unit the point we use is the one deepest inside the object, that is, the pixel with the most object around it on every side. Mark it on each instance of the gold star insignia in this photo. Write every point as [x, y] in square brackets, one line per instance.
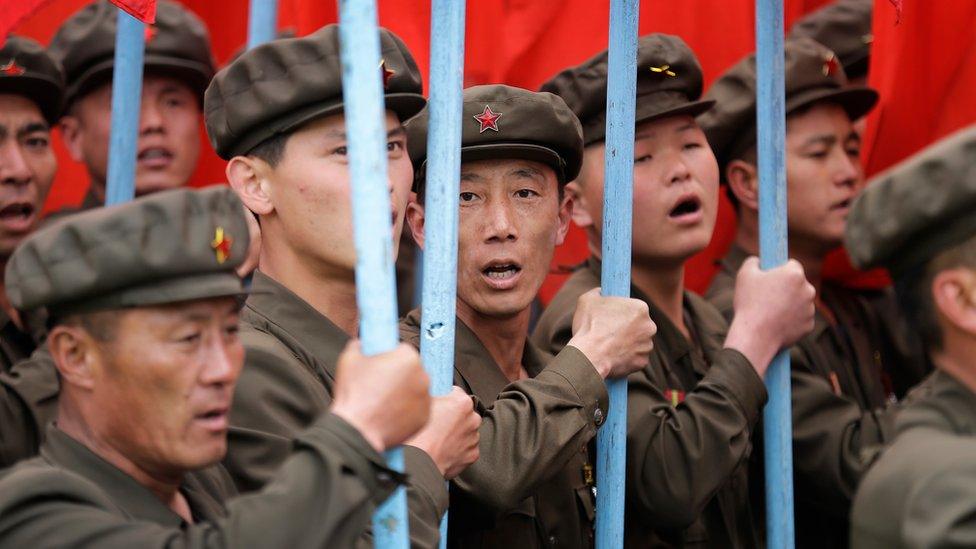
[221, 245]
[664, 69]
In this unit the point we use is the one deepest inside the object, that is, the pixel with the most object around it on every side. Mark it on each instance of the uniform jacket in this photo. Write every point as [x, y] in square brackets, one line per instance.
[286, 383]
[28, 403]
[846, 376]
[922, 491]
[70, 497]
[15, 345]
[690, 417]
[529, 487]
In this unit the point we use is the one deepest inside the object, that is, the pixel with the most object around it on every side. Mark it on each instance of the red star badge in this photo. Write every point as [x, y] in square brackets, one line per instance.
[221, 244]
[830, 65]
[488, 119]
[387, 73]
[150, 33]
[12, 69]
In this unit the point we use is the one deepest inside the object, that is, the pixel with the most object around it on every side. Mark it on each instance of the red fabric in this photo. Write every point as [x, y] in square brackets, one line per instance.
[13, 13]
[143, 10]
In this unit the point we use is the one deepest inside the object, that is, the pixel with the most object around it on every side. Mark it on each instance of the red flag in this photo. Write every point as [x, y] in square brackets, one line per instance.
[12, 13]
[143, 10]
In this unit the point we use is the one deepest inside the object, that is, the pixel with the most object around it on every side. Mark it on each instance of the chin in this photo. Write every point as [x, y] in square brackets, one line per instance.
[154, 184]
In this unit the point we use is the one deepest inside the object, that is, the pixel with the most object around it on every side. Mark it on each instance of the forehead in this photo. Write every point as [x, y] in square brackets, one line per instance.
[819, 117]
[501, 167]
[665, 128]
[155, 81]
[198, 309]
[17, 109]
[334, 126]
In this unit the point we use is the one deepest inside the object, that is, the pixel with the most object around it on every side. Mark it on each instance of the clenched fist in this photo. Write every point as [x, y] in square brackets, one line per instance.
[615, 333]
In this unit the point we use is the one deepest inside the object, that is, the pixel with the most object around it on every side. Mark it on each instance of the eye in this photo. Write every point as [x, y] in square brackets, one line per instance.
[232, 330]
[643, 158]
[467, 197]
[37, 142]
[341, 151]
[191, 338]
[818, 154]
[692, 145]
[526, 193]
[854, 150]
[394, 146]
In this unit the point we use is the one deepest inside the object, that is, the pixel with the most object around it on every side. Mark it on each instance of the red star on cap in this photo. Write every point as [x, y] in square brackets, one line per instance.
[387, 73]
[150, 33]
[488, 119]
[830, 65]
[12, 69]
[221, 244]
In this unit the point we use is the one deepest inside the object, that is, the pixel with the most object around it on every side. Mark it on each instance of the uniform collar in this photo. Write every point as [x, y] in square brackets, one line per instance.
[131, 498]
[941, 400]
[280, 307]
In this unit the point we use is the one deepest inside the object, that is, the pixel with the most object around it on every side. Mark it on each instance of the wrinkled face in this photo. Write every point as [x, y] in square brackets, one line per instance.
[169, 139]
[165, 381]
[27, 168]
[511, 220]
[823, 175]
[675, 189]
[310, 191]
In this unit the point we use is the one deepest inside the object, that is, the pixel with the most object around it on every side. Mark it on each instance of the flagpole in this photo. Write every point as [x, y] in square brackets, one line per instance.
[126, 106]
[615, 276]
[439, 292]
[262, 22]
[773, 251]
[362, 92]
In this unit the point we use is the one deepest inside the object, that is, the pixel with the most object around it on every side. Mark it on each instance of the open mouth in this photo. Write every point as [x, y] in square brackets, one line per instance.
[501, 271]
[155, 156]
[214, 419]
[687, 206]
[20, 211]
[843, 205]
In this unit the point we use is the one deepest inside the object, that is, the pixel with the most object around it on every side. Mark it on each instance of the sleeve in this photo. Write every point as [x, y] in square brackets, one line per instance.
[28, 402]
[322, 496]
[940, 508]
[533, 428]
[678, 457]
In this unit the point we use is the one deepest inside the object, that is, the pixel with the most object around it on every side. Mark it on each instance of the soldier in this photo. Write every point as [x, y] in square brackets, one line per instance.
[143, 302]
[31, 96]
[276, 114]
[917, 220]
[178, 67]
[858, 358]
[532, 484]
[693, 410]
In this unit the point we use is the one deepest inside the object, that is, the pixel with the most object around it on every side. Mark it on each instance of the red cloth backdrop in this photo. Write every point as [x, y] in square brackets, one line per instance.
[925, 68]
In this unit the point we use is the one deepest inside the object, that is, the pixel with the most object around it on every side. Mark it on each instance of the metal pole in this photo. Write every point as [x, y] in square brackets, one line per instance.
[130, 44]
[262, 22]
[773, 250]
[375, 275]
[618, 200]
[441, 198]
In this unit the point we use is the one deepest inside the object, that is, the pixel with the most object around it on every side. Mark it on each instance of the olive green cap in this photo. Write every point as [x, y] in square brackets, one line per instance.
[813, 74]
[278, 86]
[27, 69]
[506, 122]
[843, 26]
[918, 208]
[177, 44]
[167, 247]
[669, 82]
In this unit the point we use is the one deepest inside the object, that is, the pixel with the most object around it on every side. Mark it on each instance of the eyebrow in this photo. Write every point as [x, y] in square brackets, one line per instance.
[26, 129]
[825, 139]
[336, 133]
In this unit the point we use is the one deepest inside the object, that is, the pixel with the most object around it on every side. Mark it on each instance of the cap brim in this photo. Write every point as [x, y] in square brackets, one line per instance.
[856, 101]
[45, 93]
[648, 111]
[196, 75]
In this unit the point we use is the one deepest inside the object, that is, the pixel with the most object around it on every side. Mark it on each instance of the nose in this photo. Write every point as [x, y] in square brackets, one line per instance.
[848, 172]
[677, 171]
[14, 169]
[150, 117]
[500, 222]
[223, 362]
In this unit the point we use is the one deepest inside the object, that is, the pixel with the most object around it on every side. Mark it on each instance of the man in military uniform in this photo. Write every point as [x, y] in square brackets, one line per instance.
[917, 220]
[693, 410]
[178, 66]
[31, 96]
[143, 303]
[532, 484]
[859, 358]
[276, 114]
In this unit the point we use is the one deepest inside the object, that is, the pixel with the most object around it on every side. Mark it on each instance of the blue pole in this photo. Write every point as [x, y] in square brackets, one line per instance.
[441, 201]
[362, 92]
[262, 22]
[618, 200]
[773, 250]
[130, 44]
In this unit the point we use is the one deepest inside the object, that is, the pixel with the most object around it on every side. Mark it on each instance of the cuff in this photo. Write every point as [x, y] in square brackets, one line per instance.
[573, 366]
[426, 479]
[732, 370]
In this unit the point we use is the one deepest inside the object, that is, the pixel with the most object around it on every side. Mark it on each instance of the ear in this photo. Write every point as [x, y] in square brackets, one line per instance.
[416, 219]
[71, 136]
[743, 179]
[249, 177]
[566, 211]
[954, 295]
[579, 210]
[73, 351]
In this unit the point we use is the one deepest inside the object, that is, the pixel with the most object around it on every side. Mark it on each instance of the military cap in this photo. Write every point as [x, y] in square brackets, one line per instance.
[499, 121]
[167, 247]
[918, 208]
[278, 86]
[27, 69]
[813, 74]
[177, 44]
[843, 26]
[669, 82]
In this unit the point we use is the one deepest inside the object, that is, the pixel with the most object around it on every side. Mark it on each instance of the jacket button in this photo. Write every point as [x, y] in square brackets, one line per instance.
[552, 540]
[598, 417]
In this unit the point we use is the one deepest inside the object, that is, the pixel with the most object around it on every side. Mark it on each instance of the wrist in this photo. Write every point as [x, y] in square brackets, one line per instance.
[751, 342]
[596, 358]
[372, 436]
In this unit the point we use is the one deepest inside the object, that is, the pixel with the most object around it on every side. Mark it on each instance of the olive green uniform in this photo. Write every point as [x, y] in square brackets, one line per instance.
[71, 497]
[532, 484]
[690, 418]
[845, 377]
[28, 402]
[286, 383]
[15, 345]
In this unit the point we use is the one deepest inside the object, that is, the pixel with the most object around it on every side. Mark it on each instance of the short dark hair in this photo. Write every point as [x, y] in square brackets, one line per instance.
[272, 149]
[101, 325]
[913, 289]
